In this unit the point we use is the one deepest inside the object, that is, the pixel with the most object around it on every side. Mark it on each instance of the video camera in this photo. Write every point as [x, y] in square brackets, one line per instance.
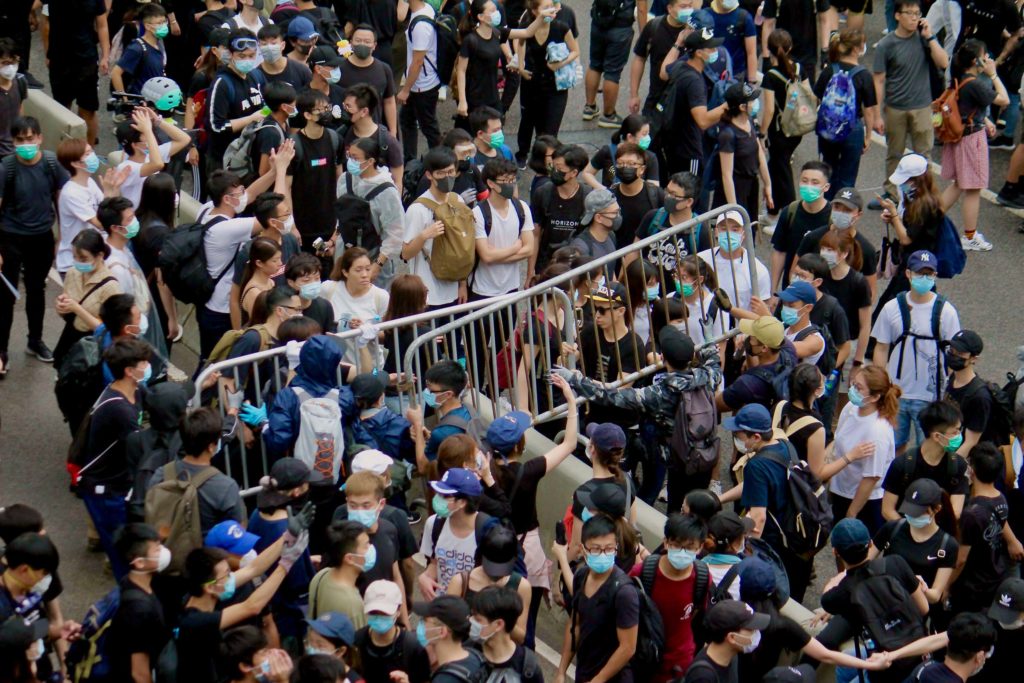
[125, 103]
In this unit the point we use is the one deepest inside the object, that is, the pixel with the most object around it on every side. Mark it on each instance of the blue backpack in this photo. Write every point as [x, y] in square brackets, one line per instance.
[838, 112]
[88, 658]
[949, 251]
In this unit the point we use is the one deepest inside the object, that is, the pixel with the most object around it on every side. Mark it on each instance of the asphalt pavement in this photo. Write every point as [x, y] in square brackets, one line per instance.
[34, 438]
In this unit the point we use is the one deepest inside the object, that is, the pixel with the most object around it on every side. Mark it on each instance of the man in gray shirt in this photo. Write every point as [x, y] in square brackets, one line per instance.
[903, 85]
[601, 218]
[219, 497]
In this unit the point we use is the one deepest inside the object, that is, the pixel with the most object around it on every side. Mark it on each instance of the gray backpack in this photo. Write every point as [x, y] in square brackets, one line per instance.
[694, 440]
[238, 155]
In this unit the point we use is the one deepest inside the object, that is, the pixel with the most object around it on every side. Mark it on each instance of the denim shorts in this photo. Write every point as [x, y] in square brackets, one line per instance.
[609, 50]
[907, 421]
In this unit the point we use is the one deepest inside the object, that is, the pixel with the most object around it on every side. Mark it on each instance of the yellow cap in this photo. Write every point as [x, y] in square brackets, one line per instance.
[766, 329]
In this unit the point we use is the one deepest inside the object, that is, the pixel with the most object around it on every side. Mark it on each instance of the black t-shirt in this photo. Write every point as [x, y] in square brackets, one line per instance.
[269, 138]
[692, 89]
[558, 219]
[670, 252]
[403, 654]
[976, 405]
[987, 19]
[775, 81]
[382, 15]
[213, 20]
[926, 558]
[314, 171]
[524, 505]
[790, 414]
[633, 209]
[390, 147]
[482, 70]
[828, 314]
[811, 244]
[137, 627]
[743, 144]
[604, 361]
[378, 74]
[654, 43]
[863, 85]
[148, 242]
[838, 600]
[322, 311]
[73, 30]
[536, 57]
[988, 561]
[115, 417]
[514, 668]
[198, 638]
[782, 634]
[29, 206]
[934, 671]
[703, 669]
[615, 605]
[457, 671]
[792, 227]
[950, 475]
[385, 540]
[853, 293]
[973, 100]
[800, 18]
[294, 74]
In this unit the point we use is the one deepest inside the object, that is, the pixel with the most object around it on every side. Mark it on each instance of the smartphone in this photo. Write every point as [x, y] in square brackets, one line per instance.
[560, 533]
[318, 245]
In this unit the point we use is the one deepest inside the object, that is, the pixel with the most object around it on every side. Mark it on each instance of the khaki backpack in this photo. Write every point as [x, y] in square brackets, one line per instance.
[172, 508]
[946, 119]
[222, 349]
[453, 254]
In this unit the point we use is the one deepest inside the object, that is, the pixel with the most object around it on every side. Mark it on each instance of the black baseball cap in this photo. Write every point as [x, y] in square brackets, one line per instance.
[791, 674]
[701, 39]
[498, 551]
[676, 347]
[967, 341]
[286, 475]
[741, 93]
[607, 497]
[368, 387]
[726, 526]
[1008, 602]
[732, 615]
[324, 55]
[451, 611]
[920, 495]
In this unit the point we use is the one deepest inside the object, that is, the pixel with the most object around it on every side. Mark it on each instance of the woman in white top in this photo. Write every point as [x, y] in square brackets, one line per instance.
[695, 285]
[642, 286]
[865, 430]
[81, 196]
[356, 300]
[727, 533]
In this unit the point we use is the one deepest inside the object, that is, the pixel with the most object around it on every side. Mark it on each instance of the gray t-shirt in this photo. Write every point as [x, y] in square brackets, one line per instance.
[904, 62]
[586, 243]
[219, 498]
[29, 206]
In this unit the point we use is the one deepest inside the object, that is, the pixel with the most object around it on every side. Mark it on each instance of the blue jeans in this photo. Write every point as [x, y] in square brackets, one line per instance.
[907, 421]
[844, 158]
[890, 15]
[1012, 114]
[109, 513]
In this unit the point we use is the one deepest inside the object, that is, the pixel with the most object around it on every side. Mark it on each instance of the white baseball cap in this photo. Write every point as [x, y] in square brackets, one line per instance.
[910, 166]
[382, 596]
[372, 460]
[730, 216]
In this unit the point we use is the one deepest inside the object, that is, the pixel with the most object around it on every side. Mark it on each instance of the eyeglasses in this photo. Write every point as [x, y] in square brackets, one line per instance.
[914, 14]
[630, 164]
[240, 44]
[602, 551]
[218, 579]
[604, 310]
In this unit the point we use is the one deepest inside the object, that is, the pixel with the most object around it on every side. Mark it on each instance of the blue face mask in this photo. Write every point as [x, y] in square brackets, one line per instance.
[586, 515]
[421, 634]
[335, 75]
[146, 375]
[755, 108]
[92, 163]
[244, 66]
[855, 397]
[730, 241]
[380, 623]
[652, 292]
[599, 564]
[680, 558]
[370, 559]
[365, 517]
[310, 290]
[229, 588]
[922, 284]
[683, 16]
[429, 398]
[918, 522]
[84, 267]
[713, 57]
[790, 316]
[353, 167]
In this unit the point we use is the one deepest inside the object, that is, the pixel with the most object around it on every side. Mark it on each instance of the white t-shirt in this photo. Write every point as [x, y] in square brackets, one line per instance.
[920, 356]
[132, 187]
[813, 358]
[453, 554]
[738, 286]
[424, 39]
[129, 275]
[852, 431]
[77, 205]
[493, 279]
[222, 242]
[369, 308]
[718, 572]
[699, 329]
[238, 22]
[439, 292]
[642, 323]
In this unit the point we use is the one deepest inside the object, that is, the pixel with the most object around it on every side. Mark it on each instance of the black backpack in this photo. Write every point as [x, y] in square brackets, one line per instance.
[694, 441]
[650, 637]
[183, 263]
[79, 380]
[411, 177]
[447, 29]
[355, 217]
[1000, 418]
[462, 673]
[886, 610]
[805, 526]
[777, 376]
[935, 336]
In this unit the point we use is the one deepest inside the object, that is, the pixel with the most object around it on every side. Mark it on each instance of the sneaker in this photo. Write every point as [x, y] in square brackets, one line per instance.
[1001, 142]
[413, 517]
[874, 204]
[612, 120]
[33, 82]
[589, 112]
[767, 223]
[1011, 195]
[40, 351]
[976, 243]
[663, 495]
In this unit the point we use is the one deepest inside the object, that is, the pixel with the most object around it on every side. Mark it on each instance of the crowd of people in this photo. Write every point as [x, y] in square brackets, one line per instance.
[324, 513]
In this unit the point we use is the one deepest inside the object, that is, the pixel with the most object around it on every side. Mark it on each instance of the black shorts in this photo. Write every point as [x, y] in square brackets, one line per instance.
[855, 6]
[74, 81]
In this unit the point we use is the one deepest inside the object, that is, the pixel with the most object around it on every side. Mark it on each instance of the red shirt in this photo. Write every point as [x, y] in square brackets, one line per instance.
[675, 603]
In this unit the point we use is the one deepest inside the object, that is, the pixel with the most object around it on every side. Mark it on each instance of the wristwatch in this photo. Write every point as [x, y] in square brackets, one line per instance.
[382, 260]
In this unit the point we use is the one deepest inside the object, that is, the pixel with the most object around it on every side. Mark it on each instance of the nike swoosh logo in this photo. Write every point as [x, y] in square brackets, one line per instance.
[929, 557]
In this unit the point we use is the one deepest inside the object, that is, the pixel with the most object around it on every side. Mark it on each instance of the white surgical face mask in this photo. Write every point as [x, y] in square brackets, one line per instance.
[741, 445]
[9, 72]
[43, 585]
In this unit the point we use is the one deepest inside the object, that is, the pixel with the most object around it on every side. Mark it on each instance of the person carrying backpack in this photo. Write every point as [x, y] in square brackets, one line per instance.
[880, 599]
[444, 383]
[987, 410]
[766, 382]
[494, 614]
[848, 108]
[443, 630]
[603, 630]
[732, 627]
[150, 449]
[423, 78]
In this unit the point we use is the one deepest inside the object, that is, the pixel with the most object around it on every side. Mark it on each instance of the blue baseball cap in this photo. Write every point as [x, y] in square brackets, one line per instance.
[335, 627]
[606, 436]
[504, 433]
[799, 290]
[302, 28]
[922, 259]
[458, 482]
[752, 417]
[848, 534]
[757, 580]
[230, 536]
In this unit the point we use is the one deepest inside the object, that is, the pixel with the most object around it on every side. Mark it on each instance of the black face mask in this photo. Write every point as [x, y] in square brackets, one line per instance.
[445, 184]
[955, 363]
[325, 118]
[627, 174]
[558, 177]
[672, 204]
[507, 190]
[345, 118]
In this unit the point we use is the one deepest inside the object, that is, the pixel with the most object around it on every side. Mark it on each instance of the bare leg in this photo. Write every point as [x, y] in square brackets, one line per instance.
[611, 96]
[950, 196]
[592, 80]
[92, 125]
[1016, 168]
[969, 207]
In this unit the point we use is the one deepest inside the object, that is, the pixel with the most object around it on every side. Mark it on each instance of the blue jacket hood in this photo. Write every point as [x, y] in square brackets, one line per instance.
[318, 365]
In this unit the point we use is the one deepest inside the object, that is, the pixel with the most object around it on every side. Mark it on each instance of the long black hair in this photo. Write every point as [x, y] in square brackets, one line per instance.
[156, 203]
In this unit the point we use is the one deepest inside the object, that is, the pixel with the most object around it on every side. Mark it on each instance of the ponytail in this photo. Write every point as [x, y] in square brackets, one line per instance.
[880, 385]
[612, 461]
[780, 44]
[844, 43]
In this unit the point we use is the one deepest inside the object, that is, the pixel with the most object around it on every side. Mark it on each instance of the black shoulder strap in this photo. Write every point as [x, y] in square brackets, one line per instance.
[896, 529]
[723, 586]
[807, 332]
[649, 572]
[515, 484]
[485, 211]
[700, 588]
[22, 83]
[909, 466]
[375, 192]
[520, 214]
[435, 532]
[348, 184]
[109, 278]
[652, 194]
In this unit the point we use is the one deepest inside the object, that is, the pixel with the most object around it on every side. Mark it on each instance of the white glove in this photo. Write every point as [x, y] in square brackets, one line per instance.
[469, 196]
[292, 350]
[235, 399]
[565, 373]
[367, 334]
[514, 62]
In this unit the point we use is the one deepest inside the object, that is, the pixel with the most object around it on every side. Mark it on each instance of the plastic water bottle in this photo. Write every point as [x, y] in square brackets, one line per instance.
[831, 381]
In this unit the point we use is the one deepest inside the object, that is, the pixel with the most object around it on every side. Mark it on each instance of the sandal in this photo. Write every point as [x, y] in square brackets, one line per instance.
[3, 365]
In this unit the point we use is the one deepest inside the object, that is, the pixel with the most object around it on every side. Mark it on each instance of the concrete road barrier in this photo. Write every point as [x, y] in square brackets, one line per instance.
[58, 122]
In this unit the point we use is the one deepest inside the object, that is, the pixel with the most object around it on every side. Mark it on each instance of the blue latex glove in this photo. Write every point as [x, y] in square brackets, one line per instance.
[253, 416]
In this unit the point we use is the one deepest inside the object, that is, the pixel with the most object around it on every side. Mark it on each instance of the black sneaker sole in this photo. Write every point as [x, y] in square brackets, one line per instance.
[40, 358]
[1011, 203]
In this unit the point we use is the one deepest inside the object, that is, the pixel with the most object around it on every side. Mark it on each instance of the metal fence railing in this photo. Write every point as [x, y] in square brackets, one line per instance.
[508, 344]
